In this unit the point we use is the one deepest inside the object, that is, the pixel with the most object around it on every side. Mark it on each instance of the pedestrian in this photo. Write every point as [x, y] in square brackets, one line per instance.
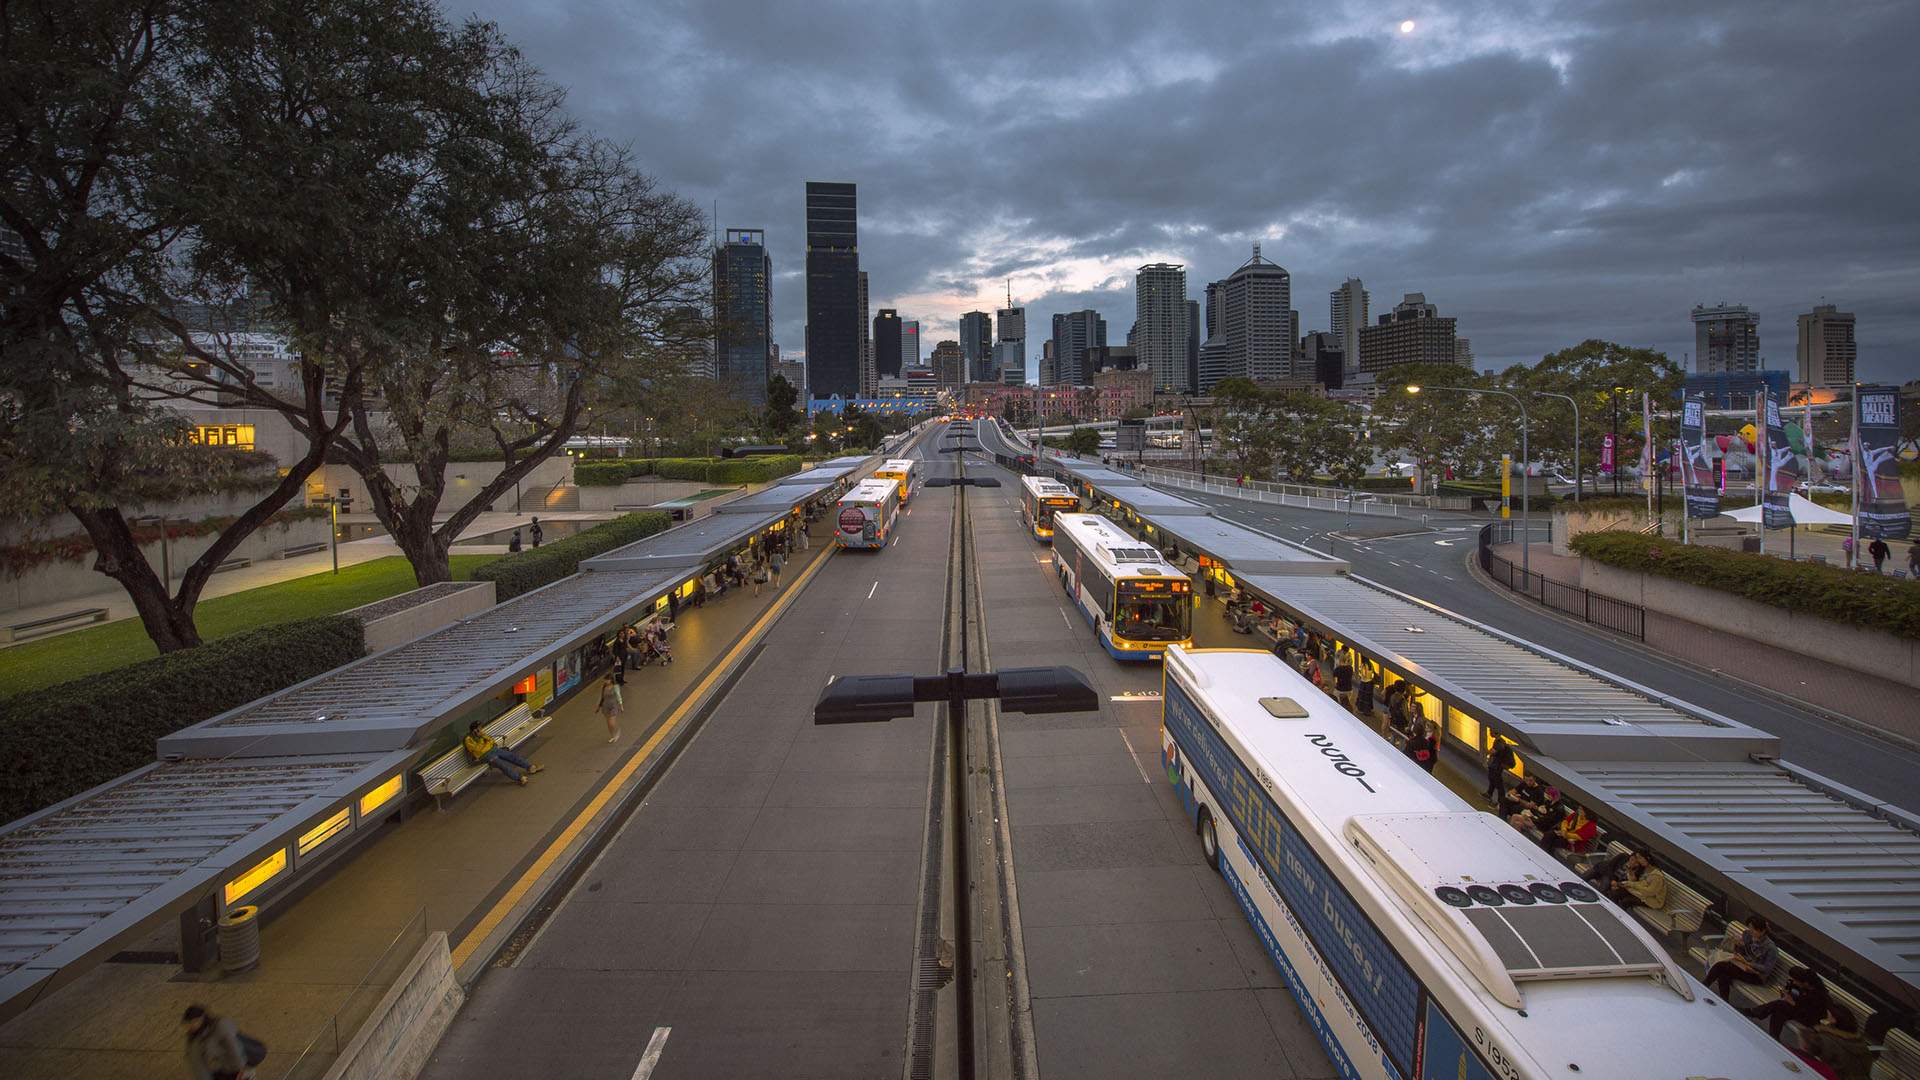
[622, 655]
[761, 574]
[673, 604]
[612, 704]
[1363, 698]
[1913, 559]
[1423, 746]
[1846, 548]
[1343, 682]
[1499, 760]
[513, 545]
[216, 1050]
[484, 750]
[776, 564]
[536, 532]
[1879, 550]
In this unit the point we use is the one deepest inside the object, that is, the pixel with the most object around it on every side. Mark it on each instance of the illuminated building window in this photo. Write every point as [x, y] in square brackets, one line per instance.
[236, 435]
[325, 831]
[378, 797]
[266, 871]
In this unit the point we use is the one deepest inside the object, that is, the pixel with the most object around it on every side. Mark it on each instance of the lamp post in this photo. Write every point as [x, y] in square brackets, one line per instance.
[1526, 531]
[1614, 400]
[1576, 439]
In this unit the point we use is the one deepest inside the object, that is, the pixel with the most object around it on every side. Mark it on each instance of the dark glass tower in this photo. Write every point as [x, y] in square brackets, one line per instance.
[886, 343]
[834, 333]
[743, 314]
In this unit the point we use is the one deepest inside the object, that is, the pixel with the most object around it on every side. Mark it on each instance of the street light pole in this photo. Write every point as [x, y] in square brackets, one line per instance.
[1526, 529]
[1576, 439]
[1614, 399]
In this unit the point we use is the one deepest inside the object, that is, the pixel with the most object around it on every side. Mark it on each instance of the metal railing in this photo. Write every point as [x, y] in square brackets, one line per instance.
[339, 1029]
[1253, 491]
[1596, 609]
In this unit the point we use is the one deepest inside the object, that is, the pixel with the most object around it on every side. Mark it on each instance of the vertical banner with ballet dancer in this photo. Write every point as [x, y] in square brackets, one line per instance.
[1703, 491]
[1781, 469]
[1883, 507]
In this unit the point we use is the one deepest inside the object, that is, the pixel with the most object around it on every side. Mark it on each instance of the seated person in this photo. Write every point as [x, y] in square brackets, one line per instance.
[1838, 1043]
[1747, 957]
[1575, 833]
[1805, 999]
[1526, 796]
[1639, 884]
[484, 750]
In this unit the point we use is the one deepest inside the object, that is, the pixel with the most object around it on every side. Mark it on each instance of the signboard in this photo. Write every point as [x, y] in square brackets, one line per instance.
[1876, 426]
[852, 518]
[1779, 467]
[1606, 454]
[1506, 485]
[542, 691]
[1703, 487]
[566, 672]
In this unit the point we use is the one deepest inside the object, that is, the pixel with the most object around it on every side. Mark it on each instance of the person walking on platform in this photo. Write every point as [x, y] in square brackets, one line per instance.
[612, 704]
[1343, 682]
[775, 563]
[622, 651]
[1880, 553]
[1499, 760]
[482, 748]
[216, 1050]
[1363, 698]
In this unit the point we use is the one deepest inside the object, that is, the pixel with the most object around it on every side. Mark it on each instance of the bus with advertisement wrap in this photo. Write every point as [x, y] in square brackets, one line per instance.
[901, 471]
[1138, 602]
[1040, 499]
[864, 516]
[1421, 937]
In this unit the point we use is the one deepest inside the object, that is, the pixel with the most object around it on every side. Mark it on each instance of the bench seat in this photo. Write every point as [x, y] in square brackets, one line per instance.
[450, 773]
[52, 623]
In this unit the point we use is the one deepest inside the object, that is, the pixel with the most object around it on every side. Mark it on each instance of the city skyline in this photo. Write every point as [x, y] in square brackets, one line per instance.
[1534, 170]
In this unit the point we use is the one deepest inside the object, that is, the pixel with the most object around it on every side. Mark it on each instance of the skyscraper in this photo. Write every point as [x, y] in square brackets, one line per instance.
[1347, 310]
[743, 313]
[1160, 332]
[949, 364]
[1413, 333]
[1074, 334]
[1726, 337]
[1826, 350]
[1010, 352]
[909, 343]
[1253, 332]
[869, 379]
[834, 334]
[1193, 343]
[976, 344]
[886, 344]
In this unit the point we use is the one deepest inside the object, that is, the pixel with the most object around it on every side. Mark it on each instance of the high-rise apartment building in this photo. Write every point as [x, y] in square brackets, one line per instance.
[1049, 364]
[869, 378]
[1463, 352]
[1253, 325]
[1075, 333]
[909, 343]
[743, 313]
[1826, 351]
[976, 344]
[949, 364]
[1010, 352]
[1347, 311]
[1322, 359]
[1160, 329]
[1726, 337]
[1413, 333]
[834, 332]
[886, 344]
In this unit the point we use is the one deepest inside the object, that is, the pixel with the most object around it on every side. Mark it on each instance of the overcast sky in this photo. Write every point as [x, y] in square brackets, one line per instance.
[1544, 172]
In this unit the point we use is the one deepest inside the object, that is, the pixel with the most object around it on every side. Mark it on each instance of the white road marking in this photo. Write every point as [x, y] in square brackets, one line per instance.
[875, 589]
[1063, 617]
[1130, 757]
[652, 1056]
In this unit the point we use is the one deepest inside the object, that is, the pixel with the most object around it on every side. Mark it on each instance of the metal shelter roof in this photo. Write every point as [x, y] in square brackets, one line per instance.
[777, 500]
[80, 876]
[1245, 553]
[1146, 500]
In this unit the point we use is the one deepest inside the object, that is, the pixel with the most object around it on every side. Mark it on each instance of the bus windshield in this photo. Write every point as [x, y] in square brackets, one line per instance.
[1044, 513]
[1162, 617]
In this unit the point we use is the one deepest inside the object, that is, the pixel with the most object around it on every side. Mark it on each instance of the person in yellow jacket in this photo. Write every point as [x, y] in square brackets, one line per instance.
[1640, 885]
[482, 748]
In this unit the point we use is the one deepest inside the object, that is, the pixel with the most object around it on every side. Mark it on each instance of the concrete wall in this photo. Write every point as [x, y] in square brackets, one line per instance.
[424, 618]
[59, 581]
[464, 481]
[641, 491]
[407, 1024]
[1871, 676]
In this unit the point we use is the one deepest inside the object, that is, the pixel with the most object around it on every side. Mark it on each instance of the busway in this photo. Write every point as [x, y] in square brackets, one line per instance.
[240, 808]
[1836, 871]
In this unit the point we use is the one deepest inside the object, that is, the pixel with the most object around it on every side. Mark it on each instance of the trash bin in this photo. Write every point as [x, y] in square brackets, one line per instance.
[240, 939]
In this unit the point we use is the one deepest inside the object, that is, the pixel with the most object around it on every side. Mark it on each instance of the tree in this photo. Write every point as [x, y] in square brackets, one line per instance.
[1083, 440]
[1590, 372]
[781, 416]
[863, 429]
[1290, 433]
[1443, 429]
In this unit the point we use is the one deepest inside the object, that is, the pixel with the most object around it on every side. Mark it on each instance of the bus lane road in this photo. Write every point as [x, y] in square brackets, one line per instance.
[1138, 961]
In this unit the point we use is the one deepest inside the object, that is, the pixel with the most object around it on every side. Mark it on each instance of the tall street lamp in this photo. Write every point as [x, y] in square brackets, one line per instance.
[1526, 532]
[1576, 438]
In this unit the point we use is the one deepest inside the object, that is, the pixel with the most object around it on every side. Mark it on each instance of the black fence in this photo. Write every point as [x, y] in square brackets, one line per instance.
[1604, 612]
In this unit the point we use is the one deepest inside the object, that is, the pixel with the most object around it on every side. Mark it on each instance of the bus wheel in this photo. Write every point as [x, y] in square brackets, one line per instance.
[1209, 840]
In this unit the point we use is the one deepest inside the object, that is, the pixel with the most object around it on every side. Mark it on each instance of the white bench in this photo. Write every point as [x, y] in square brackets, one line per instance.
[303, 549]
[53, 623]
[235, 563]
[1899, 1057]
[450, 773]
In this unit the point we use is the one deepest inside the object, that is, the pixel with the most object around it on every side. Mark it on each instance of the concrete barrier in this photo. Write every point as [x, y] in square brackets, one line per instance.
[401, 1033]
[396, 621]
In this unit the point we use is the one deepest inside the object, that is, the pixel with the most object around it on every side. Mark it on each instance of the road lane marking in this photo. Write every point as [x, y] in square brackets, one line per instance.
[1063, 617]
[652, 1057]
[511, 898]
[1130, 757]
[875, 589]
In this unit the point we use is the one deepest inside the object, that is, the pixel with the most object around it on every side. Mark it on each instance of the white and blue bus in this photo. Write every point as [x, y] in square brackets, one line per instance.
[901, 471]
[1421, 938]
[1040, 499]
[1138, 602]
[864, 516]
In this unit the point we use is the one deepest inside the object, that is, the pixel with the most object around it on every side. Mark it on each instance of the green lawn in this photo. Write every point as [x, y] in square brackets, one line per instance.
[102, 648]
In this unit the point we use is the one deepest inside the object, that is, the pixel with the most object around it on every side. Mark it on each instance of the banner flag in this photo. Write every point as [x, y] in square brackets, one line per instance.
[1703, 489]
[1781, 469]
[1882, 505]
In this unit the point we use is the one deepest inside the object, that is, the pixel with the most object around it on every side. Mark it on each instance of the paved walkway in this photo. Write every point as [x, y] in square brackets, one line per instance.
[437, 869]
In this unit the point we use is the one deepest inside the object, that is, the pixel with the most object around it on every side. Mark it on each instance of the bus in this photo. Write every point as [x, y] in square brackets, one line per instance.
[864, 515]
[1040, 499]
[1137, 601]
[901, 471]
[1420, 937]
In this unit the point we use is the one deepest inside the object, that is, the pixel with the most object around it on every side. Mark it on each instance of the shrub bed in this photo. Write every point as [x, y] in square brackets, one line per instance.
[601, 473]
[61, 740]
[526, 571]
[1886, 604]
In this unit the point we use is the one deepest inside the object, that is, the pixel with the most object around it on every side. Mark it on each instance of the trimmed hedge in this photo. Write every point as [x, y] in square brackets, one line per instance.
[526, 571]
[59, 741]
[1395, 484]
[601, 473]
[1887, 604]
